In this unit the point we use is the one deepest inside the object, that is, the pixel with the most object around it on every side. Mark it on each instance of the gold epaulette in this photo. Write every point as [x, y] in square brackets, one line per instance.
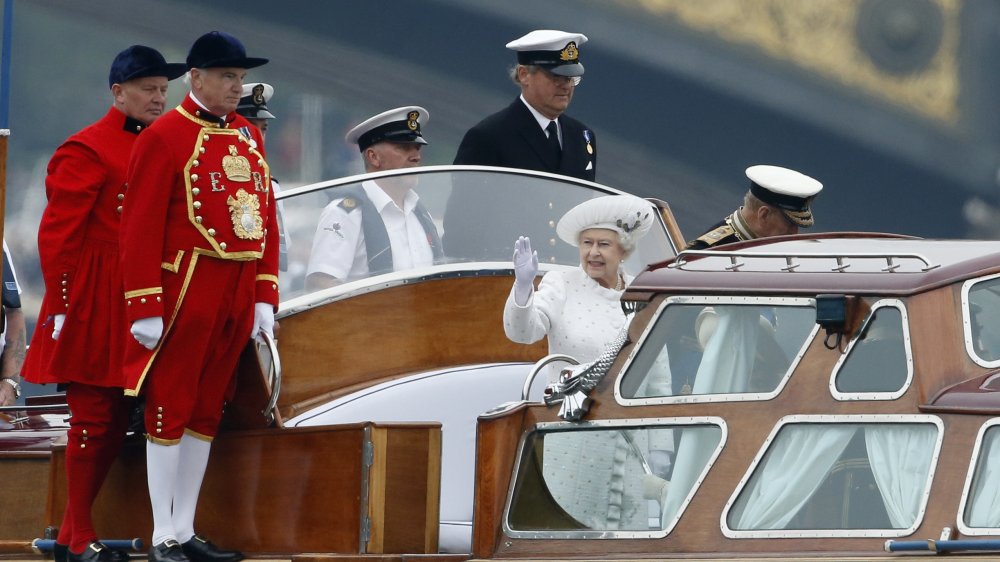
[712, 237]
[348, 203]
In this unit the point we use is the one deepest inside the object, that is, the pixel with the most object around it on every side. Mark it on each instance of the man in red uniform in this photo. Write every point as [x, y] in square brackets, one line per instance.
[200, 263]
[78, 250]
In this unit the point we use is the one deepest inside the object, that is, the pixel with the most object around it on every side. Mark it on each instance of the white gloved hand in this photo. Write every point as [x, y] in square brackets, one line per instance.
[525, 270]
[57, 324]
[147, 331]
[263, 320]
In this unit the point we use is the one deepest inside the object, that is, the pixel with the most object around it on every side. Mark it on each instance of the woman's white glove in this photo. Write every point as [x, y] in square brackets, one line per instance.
[263, 320]
[525, 270]
[57, 324]
[147, 331]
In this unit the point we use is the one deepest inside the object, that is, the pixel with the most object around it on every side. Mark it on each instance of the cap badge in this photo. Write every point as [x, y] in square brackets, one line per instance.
[570, 53]
[411, 121]
[236, 166]
[244, 210]
[258, 94]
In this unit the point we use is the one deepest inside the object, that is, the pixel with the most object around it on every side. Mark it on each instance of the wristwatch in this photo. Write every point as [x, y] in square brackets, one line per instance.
[16, 385]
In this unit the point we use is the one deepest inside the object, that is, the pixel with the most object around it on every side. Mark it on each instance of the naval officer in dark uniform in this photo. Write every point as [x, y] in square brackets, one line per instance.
[778, 203]
[533, 133]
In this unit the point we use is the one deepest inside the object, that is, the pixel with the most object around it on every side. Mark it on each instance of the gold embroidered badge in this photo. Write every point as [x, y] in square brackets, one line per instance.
[411, 121]
[570, 52]
[236, 166]
[244, 210]
[258, 95]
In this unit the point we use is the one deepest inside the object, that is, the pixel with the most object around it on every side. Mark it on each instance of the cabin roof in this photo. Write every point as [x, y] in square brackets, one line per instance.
[855, 263]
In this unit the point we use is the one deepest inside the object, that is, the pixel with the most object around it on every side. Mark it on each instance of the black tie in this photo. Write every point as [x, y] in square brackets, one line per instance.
[553, 130]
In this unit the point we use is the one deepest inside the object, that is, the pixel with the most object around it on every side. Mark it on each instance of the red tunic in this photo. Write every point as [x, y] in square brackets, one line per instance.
[78, 249]
[197, 190]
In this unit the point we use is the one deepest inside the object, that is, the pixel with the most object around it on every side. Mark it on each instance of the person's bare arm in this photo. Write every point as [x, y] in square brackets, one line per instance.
[13, 354]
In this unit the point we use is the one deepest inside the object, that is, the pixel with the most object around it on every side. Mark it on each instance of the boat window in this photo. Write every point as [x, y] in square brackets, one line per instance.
[982, 320]
[983, 491]
[325, 242]
[878, 361]
[610, 481]
[719, 348]
[838, 479]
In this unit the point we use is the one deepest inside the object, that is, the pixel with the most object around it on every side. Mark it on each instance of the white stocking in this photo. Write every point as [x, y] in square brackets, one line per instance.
[161, 477]
[193, 462]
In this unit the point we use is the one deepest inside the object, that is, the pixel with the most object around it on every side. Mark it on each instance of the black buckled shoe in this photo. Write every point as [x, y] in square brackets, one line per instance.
[60, 552]
[199, 549]
[167, 551]
[96, 552]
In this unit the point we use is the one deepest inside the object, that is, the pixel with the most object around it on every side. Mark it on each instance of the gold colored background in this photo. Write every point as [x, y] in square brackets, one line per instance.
[819, 36]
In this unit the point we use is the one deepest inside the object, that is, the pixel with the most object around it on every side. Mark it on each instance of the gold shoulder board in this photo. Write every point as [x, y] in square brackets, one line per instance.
[712, 237]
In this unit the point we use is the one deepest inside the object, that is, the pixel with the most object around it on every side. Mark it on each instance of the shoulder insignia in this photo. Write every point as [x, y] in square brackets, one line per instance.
[348, 203]
[712, 237]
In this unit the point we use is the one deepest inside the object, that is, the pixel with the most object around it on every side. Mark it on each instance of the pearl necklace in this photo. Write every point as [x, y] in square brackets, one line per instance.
[620, 285]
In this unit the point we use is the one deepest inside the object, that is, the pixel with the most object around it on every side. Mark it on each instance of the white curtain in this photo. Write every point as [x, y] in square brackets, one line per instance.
[730, 353]
[900, 457]
[725, 367]
[796, 464]
[658, 381]
[982, 510]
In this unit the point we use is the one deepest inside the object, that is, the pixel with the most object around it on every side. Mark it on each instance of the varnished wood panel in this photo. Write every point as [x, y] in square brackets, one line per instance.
[22, 507]
[286, 491]
[404, 484]
[356, 342]
[496, 452]
[937, 338]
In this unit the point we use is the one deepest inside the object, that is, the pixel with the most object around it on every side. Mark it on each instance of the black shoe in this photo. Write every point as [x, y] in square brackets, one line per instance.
[60, 552]
[167, 551]
[96, 552]
[199, 549]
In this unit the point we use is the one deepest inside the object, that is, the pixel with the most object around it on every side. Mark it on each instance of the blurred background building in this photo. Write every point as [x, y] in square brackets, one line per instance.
[890, 103]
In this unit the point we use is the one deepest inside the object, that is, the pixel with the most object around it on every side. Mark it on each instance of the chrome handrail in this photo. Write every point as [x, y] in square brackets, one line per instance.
[538, 367]
[273, 375]
[791, 265]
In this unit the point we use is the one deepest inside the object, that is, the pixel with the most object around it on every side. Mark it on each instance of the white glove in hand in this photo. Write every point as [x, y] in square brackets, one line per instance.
[525, 270]
[263, 320]
[147, 331]
[57, 324]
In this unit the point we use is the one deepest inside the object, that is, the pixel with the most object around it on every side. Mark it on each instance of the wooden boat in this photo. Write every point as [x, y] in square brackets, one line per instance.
[831, 396]
[825, 396]
[299, 466]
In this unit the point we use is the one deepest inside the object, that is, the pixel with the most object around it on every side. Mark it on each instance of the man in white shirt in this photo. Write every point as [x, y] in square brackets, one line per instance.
[380, 226]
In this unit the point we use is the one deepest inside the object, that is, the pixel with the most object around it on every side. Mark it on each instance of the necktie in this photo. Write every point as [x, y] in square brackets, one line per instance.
[553, 131]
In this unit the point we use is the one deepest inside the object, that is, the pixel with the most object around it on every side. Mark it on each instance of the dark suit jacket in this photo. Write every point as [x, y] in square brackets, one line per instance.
[483, 221]
[512, 138]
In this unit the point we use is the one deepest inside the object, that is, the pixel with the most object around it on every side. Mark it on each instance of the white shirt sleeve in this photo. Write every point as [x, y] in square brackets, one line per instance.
[336, 243]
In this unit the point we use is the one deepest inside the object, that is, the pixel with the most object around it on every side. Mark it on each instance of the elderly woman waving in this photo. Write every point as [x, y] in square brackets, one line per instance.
[578, 310]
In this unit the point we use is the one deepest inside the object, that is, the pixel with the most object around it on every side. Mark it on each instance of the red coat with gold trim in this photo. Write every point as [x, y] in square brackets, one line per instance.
[78, 250]
[195, 185]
